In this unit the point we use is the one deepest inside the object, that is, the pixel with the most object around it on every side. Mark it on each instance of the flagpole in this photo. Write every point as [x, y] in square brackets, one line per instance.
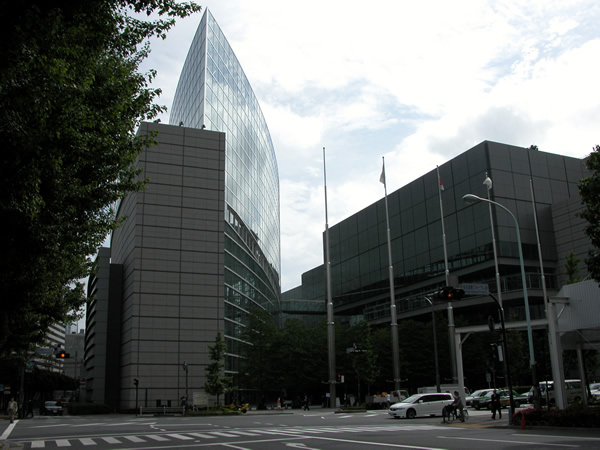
[394, 324]
[539, 246]
[330, 322]
[451, 327]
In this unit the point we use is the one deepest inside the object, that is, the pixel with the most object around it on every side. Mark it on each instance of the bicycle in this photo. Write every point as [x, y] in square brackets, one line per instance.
[449, 414]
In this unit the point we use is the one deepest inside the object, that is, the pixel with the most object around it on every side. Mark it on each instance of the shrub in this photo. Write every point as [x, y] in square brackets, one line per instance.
[213, 412]
[574, 416]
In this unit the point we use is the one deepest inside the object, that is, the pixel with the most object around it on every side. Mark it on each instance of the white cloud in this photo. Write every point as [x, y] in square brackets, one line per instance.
[418, 82]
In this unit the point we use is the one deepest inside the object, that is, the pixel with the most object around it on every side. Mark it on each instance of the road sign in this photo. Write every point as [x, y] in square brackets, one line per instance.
[475, 289]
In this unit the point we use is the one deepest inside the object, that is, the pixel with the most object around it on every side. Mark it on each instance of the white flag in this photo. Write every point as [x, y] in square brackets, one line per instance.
[382, 177]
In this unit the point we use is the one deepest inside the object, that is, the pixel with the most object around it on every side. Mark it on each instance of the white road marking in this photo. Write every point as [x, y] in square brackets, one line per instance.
[509, 442]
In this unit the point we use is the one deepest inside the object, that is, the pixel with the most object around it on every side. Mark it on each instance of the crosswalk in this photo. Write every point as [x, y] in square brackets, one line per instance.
[215, 435]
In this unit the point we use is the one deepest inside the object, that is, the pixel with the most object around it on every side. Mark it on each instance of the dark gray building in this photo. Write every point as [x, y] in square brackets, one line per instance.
[358, 244]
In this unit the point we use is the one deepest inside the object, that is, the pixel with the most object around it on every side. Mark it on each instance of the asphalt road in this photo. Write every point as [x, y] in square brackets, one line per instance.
[315, 429]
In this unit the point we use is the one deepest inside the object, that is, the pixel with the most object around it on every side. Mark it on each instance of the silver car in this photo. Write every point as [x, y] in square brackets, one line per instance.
[421, 405]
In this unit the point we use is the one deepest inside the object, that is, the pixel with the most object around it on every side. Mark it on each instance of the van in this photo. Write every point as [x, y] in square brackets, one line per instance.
[443, 388]
[573, 391]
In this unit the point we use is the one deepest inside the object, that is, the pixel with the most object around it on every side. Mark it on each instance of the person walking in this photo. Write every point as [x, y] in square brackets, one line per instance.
[306, 405]
[13, 409]
[278, 403]
[495, 405]
[29, 408]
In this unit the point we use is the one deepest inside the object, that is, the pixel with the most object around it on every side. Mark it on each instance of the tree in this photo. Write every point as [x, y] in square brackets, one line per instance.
[589, 190]
[71, 99]
[216, 382]
[571, 262]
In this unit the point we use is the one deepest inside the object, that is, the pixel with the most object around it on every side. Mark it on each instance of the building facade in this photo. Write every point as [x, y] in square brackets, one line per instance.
[199, 248]
[358, 244]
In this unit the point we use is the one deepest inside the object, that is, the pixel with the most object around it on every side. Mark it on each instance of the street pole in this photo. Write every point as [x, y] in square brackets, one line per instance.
[330, 322]
[185, 367]
[394, 316]
[435, 349]
[506, 363]
[470, 198]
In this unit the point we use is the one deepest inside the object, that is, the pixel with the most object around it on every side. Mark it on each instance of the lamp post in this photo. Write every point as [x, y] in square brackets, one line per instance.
[488, 184]
[470, 199]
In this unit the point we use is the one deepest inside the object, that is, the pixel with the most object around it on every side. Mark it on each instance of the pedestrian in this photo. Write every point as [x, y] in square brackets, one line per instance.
[278, 403]
[306, 406]
[495, 405]
[12, 410]
[29, 408]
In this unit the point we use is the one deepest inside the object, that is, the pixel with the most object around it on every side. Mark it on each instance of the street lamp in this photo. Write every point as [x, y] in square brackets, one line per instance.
[471, 199]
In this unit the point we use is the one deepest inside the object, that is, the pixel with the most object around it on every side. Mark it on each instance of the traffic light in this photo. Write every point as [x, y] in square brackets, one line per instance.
[62, 355]
[450, 293]
[340, 378]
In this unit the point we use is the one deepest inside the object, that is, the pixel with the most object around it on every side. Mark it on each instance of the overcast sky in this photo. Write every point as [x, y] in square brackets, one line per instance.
[418, 82]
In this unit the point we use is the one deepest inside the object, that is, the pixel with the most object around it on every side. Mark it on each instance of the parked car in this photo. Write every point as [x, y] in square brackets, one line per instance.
[52, 408]
[421, 405]
[595, 390]
[482, 402]
[476, 394]
[518, 399]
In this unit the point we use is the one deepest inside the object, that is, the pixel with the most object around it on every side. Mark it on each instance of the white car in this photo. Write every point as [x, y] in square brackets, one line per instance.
[421, 405]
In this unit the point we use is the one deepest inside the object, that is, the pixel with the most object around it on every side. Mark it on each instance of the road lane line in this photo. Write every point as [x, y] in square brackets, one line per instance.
[181, 437]
[155, 437]
[134, 439]
[508, 442]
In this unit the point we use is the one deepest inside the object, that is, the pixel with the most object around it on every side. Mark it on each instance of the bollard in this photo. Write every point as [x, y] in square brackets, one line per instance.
[522, 420]
[510, 415]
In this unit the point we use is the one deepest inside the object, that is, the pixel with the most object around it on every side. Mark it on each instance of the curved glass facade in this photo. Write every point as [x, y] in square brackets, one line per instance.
[214, 93]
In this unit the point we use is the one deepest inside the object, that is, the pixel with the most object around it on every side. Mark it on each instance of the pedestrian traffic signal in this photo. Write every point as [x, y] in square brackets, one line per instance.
[450, 293]
[62, 355]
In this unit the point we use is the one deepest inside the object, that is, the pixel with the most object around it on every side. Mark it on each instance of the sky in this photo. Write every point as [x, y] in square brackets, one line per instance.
[416, 82]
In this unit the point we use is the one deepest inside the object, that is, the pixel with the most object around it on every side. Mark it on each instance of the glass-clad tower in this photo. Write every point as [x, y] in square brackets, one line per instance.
[214, 94]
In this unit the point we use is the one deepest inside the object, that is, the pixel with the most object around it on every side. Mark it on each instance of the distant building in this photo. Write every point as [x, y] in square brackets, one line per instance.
[200, 246]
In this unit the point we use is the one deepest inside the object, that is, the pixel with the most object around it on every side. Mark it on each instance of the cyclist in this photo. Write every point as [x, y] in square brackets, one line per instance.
[456, 408]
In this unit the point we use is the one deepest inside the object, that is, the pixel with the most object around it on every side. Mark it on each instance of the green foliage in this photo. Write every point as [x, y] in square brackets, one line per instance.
[216, 382]
[571, 268]
[71, 98]
[264, 355]
[589, 190]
